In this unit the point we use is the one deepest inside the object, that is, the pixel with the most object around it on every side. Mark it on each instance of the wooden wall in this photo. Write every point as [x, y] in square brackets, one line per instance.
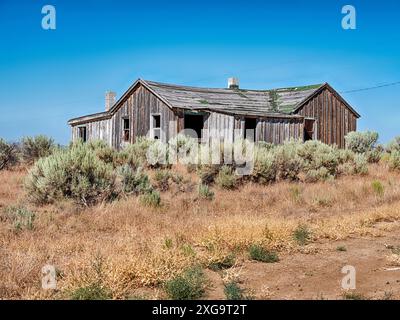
[137, 107]
[221, 124]
[277, 131]
[333, 118]
[96, 130]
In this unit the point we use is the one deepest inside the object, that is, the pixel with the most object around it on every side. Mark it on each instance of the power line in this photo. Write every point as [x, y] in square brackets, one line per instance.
[371, 88]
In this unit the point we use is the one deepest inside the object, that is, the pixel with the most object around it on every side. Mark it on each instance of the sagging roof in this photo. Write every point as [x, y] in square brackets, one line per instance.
[280, 103]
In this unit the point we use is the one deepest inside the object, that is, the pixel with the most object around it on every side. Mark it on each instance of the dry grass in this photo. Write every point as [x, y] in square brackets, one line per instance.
[138, 247]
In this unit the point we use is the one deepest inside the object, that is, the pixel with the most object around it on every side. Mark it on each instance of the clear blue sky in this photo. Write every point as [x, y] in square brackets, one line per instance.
[47, 77]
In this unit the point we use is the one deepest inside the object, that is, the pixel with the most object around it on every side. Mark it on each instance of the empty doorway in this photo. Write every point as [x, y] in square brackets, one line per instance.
[194, 122]
[250, 125]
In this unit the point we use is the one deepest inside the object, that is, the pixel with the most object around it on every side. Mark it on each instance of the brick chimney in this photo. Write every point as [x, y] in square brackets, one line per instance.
[233, 83]
[110, 99]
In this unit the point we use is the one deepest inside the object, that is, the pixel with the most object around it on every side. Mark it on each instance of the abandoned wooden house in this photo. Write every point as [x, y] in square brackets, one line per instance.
[160, 110]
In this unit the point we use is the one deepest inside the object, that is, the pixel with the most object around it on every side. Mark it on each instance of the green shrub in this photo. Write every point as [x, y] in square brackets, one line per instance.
[361, 142]
[289, 162]
[205, 192]
[208, 173]
[258, 253]
[341, 248]
[265, 167]
[374, 156]
[378, 187]
[20, 217]
[135, 154]
[94, 291]
[224, 262]
[394, 145]
[233, 291]
[104, 152]
[8, 155]
[33, 148]
[157, 154]
[394, 160]
[315, 175]
[360, 164]
[75, 173]
[183, 149]
[162, 178]
[134, 181]
[320, 161]
[226, 178]
[187, 286]
[302, 235]
[345, 156]
[151, 198]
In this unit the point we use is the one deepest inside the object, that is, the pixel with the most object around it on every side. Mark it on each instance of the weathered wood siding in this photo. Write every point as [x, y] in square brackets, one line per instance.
[96, 130]
[333, 119]
[137, 107]
[219, 125]
[274, 130]
[277, 131]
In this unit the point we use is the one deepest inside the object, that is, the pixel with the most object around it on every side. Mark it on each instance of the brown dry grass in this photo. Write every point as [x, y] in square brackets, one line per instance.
[134, 242]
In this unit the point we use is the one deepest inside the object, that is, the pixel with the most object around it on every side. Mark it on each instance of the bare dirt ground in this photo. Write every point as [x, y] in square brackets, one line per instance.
[317, 275]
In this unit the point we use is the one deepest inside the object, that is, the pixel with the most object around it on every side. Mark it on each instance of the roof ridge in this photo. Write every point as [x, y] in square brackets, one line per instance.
[171, 85]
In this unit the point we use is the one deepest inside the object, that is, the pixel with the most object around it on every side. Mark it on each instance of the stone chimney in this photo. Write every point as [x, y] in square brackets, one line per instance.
[110, 99]
[233, 83]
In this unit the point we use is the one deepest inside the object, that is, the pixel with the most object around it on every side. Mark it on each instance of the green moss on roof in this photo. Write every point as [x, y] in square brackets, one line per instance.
[203, 101]
[301, 88]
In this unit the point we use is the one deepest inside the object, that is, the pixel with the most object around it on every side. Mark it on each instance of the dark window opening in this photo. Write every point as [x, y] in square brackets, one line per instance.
[156, 125]
[194, 122]
[250, 125]
[82, 134]
[126, 129]
[308, 129]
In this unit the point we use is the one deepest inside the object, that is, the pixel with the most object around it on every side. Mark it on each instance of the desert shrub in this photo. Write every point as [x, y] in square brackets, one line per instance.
[289, 162]
[341, 248]
[33, 148]
[93, 291]
[223, 262]
[302, 235]
[162, 179]
[345, 156]
[183, 149]
[151, 198]
[320, 161]
[104, 152]
[233, 291]
[157, 154]
[393, 145]
[259, 253]
[205, 192]
[187, 286]
[8, 155]
[374, 156]
[265, 167]
[74, 173]
[378, 187]
[360, 164]
[208, 173]
[314, 175]
[361, 142]
[265, 145]
[226, 178]
[134, 181]
[20, 217]
[135, 154]
[394, 160]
